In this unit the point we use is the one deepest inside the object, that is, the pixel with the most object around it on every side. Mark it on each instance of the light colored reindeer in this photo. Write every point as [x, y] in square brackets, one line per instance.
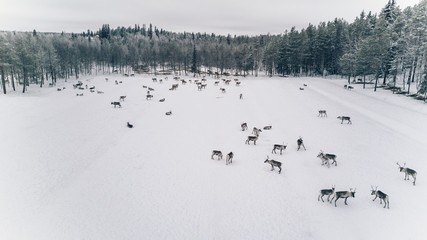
[244, 126]
[256, 131]
[279, 147]
[326, 157]
[252, 139]
[273, 164]
[408, 172]
[343, 194]
[216, 153]
[382, 196]
[328, 192]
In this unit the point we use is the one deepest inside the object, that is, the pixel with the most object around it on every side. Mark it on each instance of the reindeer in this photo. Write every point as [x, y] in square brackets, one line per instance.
[129, 125]
[381, 195]
[408, 172]
[216, 153]
[256, 131]
[149, 96]
[345, 86]
[168, 113]
[222, 90]
[300, 143]
[279, 147]
[79, 95]
[154, 79]
[343, 194]
[92, 88]
[324, 192]
[100, 92]
[322, 113]
[301, 88]
[350, 87]
[344, 118]
[229, 158]
[216, 83]
[273, 164]
[326, 157]
[116, 104]
[244, 126]
[267, 127]
[122, 98]
[251, 138]
[237, 84]
[162, 100]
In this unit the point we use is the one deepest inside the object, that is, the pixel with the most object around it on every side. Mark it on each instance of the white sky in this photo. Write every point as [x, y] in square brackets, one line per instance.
[218, 16]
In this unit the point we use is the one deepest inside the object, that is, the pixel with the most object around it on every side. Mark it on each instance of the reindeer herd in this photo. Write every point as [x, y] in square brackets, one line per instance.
[327, 159]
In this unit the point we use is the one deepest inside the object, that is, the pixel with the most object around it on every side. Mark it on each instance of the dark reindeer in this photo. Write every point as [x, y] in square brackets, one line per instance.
[279, 147]
[326, 157]
[129, 125]
[328, 192]
[300, 143]
[162, 100]
[268, 127]
[273, 164]
[149, 96]
[229, 158]
[345, 118]
[382, 196]
[168, 113]
[322, 113]
[216, 153]
[408, 172]
[122, 98]
[343, 194]
[244, 126]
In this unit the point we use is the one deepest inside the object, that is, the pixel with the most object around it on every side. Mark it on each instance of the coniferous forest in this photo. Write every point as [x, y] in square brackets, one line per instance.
[386, 48]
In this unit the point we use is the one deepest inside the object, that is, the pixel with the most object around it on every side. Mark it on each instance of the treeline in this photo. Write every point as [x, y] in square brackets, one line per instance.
[380, 47]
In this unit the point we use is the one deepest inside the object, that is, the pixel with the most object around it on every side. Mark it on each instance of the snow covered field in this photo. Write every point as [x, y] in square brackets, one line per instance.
[71, 169]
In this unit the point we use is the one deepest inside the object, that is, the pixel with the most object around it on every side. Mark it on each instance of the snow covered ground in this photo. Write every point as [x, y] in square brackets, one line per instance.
[71, 169]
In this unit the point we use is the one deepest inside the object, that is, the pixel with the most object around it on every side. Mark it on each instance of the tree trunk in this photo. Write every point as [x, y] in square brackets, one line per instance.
[364, 81]
[3, 81]
[13, 81]
[376, 82]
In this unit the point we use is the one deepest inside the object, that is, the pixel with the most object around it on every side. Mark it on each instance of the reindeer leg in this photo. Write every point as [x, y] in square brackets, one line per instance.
[375, 198]
[345, 201]
[280, 170]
